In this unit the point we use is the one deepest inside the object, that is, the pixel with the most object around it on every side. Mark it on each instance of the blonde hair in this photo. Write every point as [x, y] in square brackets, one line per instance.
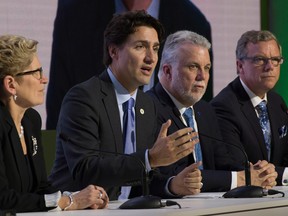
[16, 54]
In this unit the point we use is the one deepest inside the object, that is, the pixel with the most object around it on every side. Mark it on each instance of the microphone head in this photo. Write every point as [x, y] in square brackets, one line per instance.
[245, 192]
[143, 202]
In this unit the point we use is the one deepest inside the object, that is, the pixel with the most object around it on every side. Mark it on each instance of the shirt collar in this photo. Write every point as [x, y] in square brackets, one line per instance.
[179, 105]
[122, 94]
[255, 100]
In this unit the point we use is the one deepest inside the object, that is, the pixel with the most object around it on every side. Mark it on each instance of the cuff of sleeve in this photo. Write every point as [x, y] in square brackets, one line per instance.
[167, 191]
[233, 179]
[285, 177]
[51, 200]
[147, 163]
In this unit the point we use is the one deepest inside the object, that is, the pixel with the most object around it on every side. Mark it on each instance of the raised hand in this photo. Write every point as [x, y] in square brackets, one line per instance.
[169, 149]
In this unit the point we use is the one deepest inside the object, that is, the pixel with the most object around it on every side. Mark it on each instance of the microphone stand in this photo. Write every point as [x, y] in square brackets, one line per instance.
[247, 191]
[145, 201]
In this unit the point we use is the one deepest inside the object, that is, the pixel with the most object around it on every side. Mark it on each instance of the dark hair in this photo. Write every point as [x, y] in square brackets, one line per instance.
[122, 25]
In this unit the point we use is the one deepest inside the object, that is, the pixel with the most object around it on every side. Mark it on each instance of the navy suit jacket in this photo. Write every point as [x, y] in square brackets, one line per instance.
[215, 156]
[15, 192]
[240, 125]
[90, 123]
[77, 49]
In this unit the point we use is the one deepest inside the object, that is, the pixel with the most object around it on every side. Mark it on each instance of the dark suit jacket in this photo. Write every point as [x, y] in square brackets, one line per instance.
[89, 123]
[77, 49]
[14, 190]
[215, 156]
[240, 125]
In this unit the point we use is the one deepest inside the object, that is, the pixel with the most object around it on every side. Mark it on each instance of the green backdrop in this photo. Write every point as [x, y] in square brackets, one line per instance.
[274, 18]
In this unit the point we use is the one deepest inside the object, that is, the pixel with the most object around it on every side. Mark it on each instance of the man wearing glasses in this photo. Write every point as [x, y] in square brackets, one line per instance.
[250, 114]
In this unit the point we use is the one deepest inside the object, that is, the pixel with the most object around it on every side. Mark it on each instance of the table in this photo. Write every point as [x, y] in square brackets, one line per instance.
[202, 204]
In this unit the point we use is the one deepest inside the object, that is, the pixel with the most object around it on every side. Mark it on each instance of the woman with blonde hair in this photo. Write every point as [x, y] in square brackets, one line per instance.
[23, 181]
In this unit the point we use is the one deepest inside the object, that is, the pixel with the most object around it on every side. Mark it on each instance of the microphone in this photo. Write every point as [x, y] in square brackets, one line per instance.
[145, 201]
[247, 191]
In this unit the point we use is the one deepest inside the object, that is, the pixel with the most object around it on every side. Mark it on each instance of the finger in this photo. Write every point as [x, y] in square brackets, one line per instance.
[194, 180]
[193, 166]
[182, 133]
[194, 174]
[164, 129]
[193, 191]
[191, 138]
[185, 149]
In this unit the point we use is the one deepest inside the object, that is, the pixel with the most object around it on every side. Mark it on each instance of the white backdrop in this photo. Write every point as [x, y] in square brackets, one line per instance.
[228, 18]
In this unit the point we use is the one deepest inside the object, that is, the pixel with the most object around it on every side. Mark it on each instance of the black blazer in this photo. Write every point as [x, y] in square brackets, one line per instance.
[14, 190]
[215, 156]
[89, 123]
[240, 125]
[77, 49]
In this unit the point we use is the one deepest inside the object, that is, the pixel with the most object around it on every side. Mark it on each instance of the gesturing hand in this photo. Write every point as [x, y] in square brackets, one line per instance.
[169, 149]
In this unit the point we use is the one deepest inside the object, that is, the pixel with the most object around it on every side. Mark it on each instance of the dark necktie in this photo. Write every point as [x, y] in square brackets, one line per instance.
[129, 137]
[188, 115]
[265, 125]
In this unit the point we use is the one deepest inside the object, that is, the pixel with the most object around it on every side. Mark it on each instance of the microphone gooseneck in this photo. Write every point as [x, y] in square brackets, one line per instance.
[145, 201]
[247, 191]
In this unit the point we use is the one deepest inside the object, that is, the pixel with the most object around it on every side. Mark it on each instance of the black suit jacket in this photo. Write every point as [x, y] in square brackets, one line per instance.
[77, 49]
[90, 123]
[215, 156]
[240, 125]
[14, 190]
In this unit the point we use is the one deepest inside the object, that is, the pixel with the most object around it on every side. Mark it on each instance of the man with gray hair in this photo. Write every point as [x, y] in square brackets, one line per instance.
[183, 78]
[250, 113]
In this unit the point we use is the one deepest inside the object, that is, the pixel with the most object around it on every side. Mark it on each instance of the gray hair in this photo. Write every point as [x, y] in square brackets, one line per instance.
[254, 37]
[175, 40]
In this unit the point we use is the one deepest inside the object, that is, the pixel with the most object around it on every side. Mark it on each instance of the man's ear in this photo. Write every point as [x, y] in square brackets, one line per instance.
[167, 71]
[113, 51]
[9, 84]
[239, 65]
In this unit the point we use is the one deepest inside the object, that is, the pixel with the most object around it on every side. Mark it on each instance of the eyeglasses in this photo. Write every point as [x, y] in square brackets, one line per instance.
[37, 73]
[262, 61]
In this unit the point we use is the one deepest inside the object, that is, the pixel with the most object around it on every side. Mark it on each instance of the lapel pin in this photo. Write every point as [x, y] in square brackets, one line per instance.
[142, 111]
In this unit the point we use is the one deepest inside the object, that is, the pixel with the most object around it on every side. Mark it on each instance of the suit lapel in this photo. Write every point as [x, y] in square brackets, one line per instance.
[168, 104]
[109, 99]
[32, 148]
[250, 114]
[275, 141]
[15, 145]
[173, 114]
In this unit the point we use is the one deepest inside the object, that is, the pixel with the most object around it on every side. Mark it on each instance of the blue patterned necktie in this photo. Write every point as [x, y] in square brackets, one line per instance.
[188, 115]
[265, 125]
[129, 138]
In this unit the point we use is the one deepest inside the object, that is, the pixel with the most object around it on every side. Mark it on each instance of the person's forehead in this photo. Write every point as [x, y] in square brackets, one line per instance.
[263, 46]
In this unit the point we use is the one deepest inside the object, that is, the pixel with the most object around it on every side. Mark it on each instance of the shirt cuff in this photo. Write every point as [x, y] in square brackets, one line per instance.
[147, 163]
[167, 191]
[233, 180]
[51, 200]
[285, 177]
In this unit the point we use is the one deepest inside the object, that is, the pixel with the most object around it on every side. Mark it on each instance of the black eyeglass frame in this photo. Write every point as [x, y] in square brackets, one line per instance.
[279, 60]
[32, 72]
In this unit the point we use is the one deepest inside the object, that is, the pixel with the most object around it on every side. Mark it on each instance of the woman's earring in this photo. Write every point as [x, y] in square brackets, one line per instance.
[15, 97]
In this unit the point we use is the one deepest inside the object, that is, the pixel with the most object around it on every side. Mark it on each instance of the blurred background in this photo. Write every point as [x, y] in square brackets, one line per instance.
[228, 20]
